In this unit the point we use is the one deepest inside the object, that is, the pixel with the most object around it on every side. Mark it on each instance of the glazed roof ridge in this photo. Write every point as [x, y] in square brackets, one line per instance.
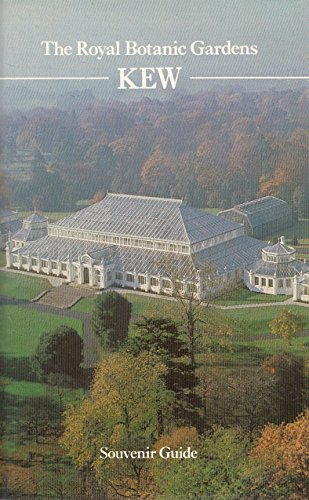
[152, 218]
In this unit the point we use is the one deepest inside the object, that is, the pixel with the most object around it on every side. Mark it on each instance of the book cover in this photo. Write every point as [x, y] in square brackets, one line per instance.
[154, 230]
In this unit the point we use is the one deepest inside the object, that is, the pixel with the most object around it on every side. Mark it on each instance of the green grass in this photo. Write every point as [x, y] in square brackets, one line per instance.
[247, 354]
[251, 320]
[21, 328]
[244, 296]
[2, 258]
[255, 320]
[270, 347]
[84, 305]
[22, 287]
[25, 389]
[140, 304]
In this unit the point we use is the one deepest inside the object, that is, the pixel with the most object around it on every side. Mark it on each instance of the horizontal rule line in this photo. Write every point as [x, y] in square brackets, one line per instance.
[54, 78]
[249, 77]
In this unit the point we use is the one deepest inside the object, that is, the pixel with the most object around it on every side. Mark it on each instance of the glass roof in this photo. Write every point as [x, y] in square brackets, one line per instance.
[154, 218]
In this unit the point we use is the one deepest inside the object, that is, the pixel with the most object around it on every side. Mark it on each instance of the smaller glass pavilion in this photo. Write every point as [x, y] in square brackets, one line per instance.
[276, 271]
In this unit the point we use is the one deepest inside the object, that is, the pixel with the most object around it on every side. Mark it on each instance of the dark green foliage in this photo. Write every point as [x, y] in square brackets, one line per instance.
[18, 368]
[300, 201]
[288, 396]
[40, 417]
[161, 337]
[274, 392]
[111, 317]
[101, 159]
[59, 351]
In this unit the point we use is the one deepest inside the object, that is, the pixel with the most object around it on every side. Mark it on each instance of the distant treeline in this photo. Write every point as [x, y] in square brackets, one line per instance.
[212, 149]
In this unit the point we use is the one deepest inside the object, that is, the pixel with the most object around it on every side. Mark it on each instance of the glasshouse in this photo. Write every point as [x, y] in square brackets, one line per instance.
[133, 241]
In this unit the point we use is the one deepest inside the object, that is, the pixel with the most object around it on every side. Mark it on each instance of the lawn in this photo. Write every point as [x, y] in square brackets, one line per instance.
[22, 287]
[270, 347]
[254, 320]
[84, 305]
[24, 389]
[244, 296]
[140, 304]
[246, 354]
[2, 258]
[21, 329]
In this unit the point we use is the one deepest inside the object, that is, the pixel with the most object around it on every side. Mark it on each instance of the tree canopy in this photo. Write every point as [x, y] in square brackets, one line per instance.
[59, 351]
[111, 317]
[121, 412]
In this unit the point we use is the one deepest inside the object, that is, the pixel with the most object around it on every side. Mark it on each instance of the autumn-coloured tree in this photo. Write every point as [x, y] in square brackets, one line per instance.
[183, 436]
[98, 196]
[120, 413]
[158, 173]
[279, 460]
[203, 148]
[17, 481]
[287, 325]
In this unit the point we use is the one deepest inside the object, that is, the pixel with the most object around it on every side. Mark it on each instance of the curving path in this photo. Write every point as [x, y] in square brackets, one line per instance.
[90, 341]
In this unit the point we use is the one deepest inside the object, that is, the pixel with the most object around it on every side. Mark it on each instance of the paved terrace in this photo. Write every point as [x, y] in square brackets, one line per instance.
[64, 296]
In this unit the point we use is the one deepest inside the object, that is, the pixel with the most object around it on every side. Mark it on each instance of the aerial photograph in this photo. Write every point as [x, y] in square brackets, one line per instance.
[154, 261]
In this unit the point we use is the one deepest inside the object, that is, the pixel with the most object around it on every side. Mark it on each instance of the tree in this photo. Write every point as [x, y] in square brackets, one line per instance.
[17, 482]
[98, 196]
[288, 387]
[239, 399]
[300, 201]
[111, 319]
[158, 173]
[59, 351]
[102, 164]
[255, 395]
[120, 413]
[40, 418]
[287, 325]
[217, 473]
[279, 460]
[161, 337]
[194, 290]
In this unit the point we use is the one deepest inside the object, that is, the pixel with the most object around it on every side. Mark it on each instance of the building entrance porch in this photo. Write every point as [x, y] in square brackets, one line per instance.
[86, 275]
